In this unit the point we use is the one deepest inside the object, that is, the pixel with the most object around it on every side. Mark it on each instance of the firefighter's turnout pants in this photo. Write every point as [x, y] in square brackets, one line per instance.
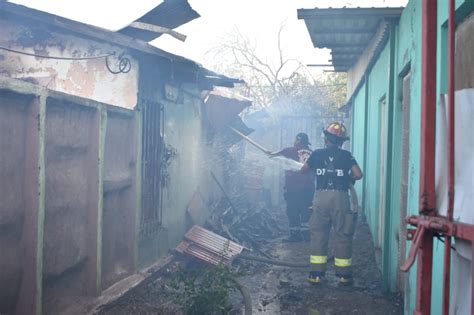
[332, 208]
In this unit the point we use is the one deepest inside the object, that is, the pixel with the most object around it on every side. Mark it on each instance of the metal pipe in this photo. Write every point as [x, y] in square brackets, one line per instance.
[428, 107]
[451, 154]
[472, 277]
[451, 110]
[428, 137]
[424, 275]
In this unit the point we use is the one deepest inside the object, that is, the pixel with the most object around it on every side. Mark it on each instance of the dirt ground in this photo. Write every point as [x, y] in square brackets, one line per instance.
[281, 290]
[284, 290]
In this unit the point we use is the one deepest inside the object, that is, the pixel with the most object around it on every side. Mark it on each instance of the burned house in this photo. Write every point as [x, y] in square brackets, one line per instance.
[103, 139]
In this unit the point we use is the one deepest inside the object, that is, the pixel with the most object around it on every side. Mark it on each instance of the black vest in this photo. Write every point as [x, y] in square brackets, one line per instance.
[332, 166]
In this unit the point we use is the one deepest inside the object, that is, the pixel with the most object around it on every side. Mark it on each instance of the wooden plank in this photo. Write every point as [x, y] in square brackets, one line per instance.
[100, 200]
[158, 29]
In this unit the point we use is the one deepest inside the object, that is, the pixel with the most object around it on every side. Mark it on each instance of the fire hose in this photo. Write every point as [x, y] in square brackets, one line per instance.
[275, 261]
[246, 296]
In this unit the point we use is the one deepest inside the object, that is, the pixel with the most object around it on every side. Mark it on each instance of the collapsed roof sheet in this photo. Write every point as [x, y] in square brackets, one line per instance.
[209, 247]
[168, 14]
[224, 107]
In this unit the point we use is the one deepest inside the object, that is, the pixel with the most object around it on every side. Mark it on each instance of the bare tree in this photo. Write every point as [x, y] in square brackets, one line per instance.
[283, 81]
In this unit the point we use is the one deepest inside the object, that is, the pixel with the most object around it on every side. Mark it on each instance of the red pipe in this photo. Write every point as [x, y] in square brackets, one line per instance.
[451, 153]
[472, 277]
[428, 137]
[428, 107]
[424, 275]
[451, 111]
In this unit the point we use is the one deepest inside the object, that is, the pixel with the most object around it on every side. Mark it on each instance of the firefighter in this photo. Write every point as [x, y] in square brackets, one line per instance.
[335, 170]
[298, 190]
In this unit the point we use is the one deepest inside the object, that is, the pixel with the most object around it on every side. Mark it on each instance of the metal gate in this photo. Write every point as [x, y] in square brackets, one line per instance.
[152, 157]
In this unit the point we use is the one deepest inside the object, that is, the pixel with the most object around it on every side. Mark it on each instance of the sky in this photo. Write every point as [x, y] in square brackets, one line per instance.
[258, 20]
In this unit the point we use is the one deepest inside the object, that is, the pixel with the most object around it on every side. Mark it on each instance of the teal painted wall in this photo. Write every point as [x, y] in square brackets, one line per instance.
[409, 52]
[407, 55]
[377, 89]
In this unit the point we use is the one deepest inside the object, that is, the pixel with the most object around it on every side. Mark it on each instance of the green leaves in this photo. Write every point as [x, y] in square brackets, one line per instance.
[204, 290]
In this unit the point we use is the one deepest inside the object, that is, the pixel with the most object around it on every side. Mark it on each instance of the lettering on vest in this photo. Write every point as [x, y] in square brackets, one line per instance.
[322, 171]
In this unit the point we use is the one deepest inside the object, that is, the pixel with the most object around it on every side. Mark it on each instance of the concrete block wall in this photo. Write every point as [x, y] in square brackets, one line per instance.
[68, 175]
[19, 195]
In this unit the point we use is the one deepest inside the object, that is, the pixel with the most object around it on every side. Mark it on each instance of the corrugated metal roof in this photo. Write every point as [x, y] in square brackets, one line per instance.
[346, 31]
[223, 107]
[209, 246]
[169, 14]
[231, 93]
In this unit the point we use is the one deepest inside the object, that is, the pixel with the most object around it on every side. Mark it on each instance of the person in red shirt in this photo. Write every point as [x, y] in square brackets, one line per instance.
[298, 190]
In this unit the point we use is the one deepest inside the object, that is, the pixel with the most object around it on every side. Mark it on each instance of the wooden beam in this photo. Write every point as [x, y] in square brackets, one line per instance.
[158, 29]
[100, 200]
[41, 201]
[31, 291]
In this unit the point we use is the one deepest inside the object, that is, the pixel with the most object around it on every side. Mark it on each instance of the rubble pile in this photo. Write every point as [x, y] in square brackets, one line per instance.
[253, 227]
